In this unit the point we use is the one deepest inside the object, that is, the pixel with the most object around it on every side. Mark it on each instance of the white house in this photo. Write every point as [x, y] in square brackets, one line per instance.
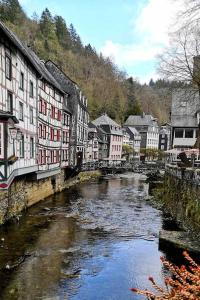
[92, 152]
[114, 136]
[18, 105]
[148, 128]
[77, 103]
[184, 118]
[135, 141]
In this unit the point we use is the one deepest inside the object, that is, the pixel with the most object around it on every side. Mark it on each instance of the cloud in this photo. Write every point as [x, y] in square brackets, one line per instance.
[131, 53]
[157, 19]
[149, 34]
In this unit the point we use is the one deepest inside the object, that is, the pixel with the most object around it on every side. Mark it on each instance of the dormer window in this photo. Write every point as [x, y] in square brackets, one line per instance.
[183, 104]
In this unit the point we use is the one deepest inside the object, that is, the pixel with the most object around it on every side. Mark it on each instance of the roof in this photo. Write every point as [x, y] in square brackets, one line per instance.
[140, 120]
[134, 130]
[185, 105]
[69, 86]
[33, 59]
[134, 134]
[105, 120]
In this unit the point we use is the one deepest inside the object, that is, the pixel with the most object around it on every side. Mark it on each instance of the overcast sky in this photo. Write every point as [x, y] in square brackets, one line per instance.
[132, 32]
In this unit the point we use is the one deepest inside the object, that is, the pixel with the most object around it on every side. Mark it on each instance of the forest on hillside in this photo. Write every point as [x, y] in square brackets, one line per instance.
[107, 88]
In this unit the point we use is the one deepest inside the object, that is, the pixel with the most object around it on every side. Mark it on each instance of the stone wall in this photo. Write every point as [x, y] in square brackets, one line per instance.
[181, 195]
[25, 192]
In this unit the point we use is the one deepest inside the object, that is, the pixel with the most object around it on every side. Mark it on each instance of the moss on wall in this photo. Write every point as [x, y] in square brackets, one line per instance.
[181, 199]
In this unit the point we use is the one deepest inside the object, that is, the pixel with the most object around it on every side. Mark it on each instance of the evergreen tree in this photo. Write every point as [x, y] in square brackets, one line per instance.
[75, 39]
[47, 25]
[62, 32]
[11, 11]
[151, 83]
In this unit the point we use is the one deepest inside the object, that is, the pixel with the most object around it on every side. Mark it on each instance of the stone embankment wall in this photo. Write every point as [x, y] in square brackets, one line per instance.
[181, 195]
[24, 192]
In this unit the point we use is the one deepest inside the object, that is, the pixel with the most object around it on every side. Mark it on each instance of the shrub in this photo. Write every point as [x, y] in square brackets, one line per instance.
[183, 285]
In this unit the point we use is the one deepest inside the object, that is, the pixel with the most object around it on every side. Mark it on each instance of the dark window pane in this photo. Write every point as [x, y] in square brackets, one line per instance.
[31, 89]
[10, 102]
[21, 81]
[189, 133]
[178, 133]
[8, 68]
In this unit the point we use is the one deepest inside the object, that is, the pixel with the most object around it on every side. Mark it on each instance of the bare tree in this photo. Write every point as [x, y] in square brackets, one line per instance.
[181, 60]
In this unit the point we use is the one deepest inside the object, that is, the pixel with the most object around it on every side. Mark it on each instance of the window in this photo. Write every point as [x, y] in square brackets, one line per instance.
[42, 157]
[52, 134]
[44, 132]
[178, 133]
[21, 81]
[8, 67]
[65, 137]
[21, 111]
[10, 102]
[59, 115]
[66, 119]
[31, 93]
[40, 130]
[43, 107]
[65, 155]
[162, 147]
[188, 133]
[31, 147]
[58, 135]
[183, 103]
[55, 156]
[53, 111]
[1, 142]
[31, 115]
[21, 147]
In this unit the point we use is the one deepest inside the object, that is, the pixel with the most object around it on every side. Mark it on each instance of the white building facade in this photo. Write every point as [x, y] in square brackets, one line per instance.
[148, 128]
[184, 118]
[114, 136]
[18, 105]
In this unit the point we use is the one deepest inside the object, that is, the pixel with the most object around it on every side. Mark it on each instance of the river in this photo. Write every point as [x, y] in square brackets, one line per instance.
[92, 242]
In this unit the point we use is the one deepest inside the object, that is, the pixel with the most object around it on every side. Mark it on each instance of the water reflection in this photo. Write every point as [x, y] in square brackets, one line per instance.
[93, 242]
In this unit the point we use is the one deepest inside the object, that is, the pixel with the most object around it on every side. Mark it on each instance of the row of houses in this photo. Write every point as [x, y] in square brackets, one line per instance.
[44, 120]
[43, 114]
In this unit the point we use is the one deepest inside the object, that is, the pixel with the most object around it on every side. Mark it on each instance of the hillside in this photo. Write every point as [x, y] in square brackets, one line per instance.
[105, 85]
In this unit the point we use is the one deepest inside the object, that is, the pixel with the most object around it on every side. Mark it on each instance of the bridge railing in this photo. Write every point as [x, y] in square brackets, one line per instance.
[133, 166]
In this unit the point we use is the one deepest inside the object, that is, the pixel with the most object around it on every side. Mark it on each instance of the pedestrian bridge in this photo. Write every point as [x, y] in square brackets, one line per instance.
[121, 167]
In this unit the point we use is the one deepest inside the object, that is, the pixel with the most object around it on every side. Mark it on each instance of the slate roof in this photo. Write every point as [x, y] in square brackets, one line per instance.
[68, 85]
[29, 55]
[134, 130]
[105, 120]
[134, 134]
[185, 104]
[140, 120]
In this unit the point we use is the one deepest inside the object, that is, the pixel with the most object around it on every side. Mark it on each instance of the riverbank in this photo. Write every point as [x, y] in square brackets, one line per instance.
[71, 244]
[25, 192]
[178, 200]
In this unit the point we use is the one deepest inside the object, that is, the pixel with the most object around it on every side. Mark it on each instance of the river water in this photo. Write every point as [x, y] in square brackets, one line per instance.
[92, 242]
